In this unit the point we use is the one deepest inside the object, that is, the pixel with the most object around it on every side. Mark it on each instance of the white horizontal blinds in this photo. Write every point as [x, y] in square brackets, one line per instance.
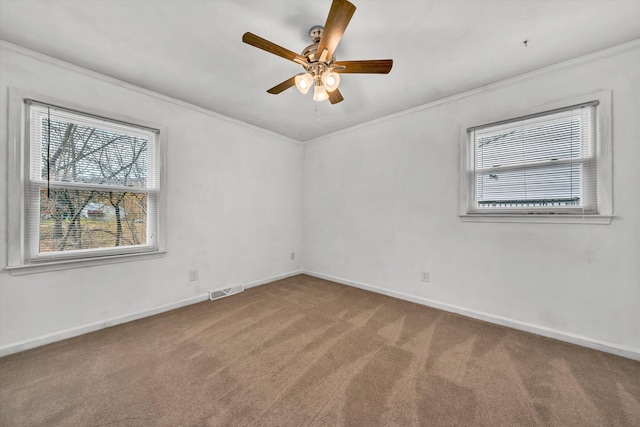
[93, 184]
[86, 150]
[545, 162]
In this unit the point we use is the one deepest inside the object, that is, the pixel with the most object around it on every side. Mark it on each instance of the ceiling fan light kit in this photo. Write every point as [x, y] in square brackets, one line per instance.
[304, 81]
[322, 71]
[330, 80]
[320, 93]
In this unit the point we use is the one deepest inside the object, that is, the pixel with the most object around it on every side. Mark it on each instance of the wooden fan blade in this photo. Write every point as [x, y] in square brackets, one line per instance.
[270, 47]
[339, 16]
[374, 66]
[283, 86]
[335, 97]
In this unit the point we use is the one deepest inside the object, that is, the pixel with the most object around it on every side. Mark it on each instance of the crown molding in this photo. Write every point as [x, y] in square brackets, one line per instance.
[5, 45]
[591, 57]
[601, 54]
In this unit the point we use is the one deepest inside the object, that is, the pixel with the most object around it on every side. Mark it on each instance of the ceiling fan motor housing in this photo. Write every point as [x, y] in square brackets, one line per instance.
[311, 52]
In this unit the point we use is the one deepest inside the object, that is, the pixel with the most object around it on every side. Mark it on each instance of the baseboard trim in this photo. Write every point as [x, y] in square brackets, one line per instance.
[274, 278]
[8, 349]
[606, 347]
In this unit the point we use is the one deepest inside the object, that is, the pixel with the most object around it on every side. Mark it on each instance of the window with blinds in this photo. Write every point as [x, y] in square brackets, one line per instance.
[93, 185]
[543, 163]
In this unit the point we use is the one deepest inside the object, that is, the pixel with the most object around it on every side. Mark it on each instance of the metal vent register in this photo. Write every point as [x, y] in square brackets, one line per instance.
[221, 293]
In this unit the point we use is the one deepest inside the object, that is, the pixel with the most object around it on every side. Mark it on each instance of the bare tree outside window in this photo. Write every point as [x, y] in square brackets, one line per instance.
[92, 183]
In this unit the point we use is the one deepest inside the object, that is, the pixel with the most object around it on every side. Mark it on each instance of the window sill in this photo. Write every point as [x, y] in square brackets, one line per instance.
[18, 270]
[539, 218]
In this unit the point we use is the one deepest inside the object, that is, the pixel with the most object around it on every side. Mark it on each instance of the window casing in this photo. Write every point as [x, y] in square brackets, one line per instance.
[553, 165]
[87, 189]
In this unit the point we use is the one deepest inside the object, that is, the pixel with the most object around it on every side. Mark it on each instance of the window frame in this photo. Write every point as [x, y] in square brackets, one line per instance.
[18, 198]
[603, 144]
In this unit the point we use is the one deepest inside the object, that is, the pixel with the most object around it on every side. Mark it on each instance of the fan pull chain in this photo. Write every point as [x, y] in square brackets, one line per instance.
[317, 110]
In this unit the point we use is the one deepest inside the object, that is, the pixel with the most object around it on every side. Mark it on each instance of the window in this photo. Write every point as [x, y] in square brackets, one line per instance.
[91, 188]
[547, 164]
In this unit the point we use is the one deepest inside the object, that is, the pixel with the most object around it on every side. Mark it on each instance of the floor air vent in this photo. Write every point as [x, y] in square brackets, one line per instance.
[225, 292]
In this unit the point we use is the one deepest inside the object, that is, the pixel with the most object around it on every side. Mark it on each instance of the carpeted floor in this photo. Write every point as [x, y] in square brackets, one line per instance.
[307, 352]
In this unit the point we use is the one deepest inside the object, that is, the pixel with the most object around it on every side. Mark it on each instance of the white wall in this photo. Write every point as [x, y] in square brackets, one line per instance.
[234, 211]
[381, 204]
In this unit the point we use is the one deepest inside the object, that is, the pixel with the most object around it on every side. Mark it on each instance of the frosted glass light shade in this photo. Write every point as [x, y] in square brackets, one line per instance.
[304, 82]
[331, 80]
[320, 93]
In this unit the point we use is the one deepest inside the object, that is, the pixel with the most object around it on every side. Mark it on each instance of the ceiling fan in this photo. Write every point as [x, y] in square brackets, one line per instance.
[322, 71]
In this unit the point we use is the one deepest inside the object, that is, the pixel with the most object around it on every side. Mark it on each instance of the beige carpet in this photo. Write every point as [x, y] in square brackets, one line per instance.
[307, 352]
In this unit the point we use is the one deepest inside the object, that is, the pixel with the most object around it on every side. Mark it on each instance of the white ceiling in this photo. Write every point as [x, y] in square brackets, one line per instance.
[192, 49]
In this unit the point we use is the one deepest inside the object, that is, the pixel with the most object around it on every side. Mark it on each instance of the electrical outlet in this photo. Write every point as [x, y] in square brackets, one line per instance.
[193, 275]
[293, 255]
[424, 276]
